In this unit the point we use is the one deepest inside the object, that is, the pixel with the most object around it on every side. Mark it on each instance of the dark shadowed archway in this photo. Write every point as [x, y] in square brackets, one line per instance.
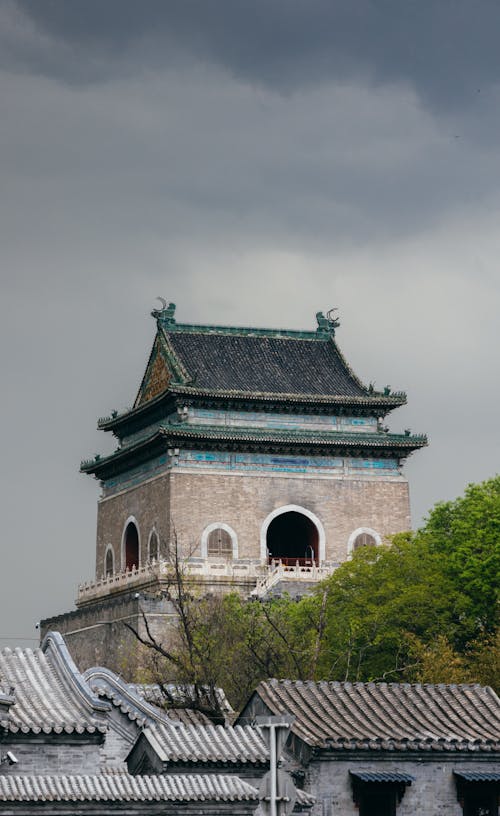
[131, 546]
[293, 537]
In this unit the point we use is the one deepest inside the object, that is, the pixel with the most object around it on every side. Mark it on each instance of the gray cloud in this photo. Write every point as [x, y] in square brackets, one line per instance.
[448, 51]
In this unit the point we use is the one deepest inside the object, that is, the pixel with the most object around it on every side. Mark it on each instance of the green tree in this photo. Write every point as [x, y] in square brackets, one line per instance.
[377, 603]
[466, 533]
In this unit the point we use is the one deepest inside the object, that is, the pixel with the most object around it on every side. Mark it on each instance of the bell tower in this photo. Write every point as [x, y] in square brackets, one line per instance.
[256, 454]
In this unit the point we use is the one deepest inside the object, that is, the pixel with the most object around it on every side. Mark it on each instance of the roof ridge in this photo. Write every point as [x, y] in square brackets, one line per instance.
[394, 684]
[53, 645]
[247, 331]
[165, 318]
[104, 681]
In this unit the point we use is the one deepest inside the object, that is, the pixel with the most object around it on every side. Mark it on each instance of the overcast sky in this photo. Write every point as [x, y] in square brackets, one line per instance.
[254, 162]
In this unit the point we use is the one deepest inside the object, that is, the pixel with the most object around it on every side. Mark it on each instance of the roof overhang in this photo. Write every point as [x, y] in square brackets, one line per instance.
[374, 404]
[363, 781]
[359, 444]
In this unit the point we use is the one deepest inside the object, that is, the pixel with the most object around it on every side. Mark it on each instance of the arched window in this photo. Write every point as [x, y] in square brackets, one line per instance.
[363, 540]
[219, 540]
[109, 562]
[131, 546]
[363, 537]
[220, 544]
[153, 546]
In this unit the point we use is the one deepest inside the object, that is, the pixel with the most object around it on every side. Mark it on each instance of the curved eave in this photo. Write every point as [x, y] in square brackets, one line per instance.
[379, 403]
[122, 459]
[372, 400]
[209, 437]
[283, 435]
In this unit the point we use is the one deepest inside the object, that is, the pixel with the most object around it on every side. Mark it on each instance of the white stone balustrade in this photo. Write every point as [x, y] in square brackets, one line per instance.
[278, 571]
[130, 579]
[265, 577]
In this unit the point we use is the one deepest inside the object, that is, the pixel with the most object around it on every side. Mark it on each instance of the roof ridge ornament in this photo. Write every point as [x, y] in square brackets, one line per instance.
[329, 323]
[166, 313]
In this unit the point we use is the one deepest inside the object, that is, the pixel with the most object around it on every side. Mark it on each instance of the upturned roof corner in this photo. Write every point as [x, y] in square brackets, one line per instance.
[166, 315]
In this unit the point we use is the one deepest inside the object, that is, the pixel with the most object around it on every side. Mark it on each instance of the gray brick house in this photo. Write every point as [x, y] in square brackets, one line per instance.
[380, 749]
[64, 741]
[92, 743]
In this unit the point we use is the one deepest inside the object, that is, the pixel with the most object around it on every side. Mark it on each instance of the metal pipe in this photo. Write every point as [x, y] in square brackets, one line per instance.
[273, 764]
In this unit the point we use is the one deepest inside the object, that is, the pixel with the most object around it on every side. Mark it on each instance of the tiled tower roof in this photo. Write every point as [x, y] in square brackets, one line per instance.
[227, 362]
[260, 364]
[238, 369]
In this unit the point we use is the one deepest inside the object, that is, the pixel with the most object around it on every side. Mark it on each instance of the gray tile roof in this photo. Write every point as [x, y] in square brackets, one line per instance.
[383, 776]
[125, 788]
[254, 364]
[152, 693]
[49, 693]
[388, 716]
[478, 776]
[107, 685]
[207, 744]
[145, 703]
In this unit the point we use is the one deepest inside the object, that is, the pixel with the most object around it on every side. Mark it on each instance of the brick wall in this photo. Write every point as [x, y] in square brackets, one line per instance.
[96, 635]
[149, 503]
[244, 502]
[433, 793]
[49, 756]
[195, 500]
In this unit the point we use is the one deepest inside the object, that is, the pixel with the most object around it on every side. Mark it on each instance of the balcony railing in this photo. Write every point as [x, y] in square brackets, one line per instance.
[138, 576]
[262, 575]
[292, 562]
[281, 571]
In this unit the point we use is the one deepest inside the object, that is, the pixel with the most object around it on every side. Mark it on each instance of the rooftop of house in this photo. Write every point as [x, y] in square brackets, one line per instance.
[122, 787]
[177, 743]
[385, 716]
[147, 704]
[47, 692]
[42, 692]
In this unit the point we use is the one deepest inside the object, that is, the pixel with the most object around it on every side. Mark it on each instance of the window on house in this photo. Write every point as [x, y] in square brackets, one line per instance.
[153, 546]
[481, 802]
[220, 544]
[378, 794]
[364, 540]
[478, 792]
[378, 802]
[109, 566]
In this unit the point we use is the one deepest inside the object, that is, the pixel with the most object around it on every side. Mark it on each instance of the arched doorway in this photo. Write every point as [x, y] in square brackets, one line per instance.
[292, 537]
[131, 546]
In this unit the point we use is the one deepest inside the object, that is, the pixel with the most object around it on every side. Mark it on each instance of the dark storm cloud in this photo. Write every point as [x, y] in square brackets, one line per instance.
[448, 50]
[197, 154]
